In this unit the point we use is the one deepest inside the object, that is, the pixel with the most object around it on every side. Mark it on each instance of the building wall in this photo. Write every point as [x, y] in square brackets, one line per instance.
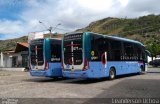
[7, 61]
[10, 60]
[1, 60]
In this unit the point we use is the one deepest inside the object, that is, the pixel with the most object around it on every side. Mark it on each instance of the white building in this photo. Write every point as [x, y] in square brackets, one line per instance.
[17, 58]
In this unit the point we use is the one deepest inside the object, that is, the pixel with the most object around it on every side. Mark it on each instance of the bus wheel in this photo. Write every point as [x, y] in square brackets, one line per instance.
[142, 70]
[112, 74]
[55, 78]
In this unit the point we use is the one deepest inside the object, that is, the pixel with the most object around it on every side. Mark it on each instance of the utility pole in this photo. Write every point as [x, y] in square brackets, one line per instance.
[50, 31]
[50, 28]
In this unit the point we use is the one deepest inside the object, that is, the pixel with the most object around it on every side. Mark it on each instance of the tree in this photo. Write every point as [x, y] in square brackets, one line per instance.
[154, 49]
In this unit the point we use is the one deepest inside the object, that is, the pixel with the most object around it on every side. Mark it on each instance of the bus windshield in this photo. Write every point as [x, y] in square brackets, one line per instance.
[73, 49]
[36, 52]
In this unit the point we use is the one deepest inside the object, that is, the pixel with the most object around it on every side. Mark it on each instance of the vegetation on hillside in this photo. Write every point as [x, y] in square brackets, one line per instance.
[145, 29]
[10, 44]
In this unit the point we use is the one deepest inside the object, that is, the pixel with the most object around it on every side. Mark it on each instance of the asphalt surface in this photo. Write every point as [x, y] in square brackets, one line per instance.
[23, 88]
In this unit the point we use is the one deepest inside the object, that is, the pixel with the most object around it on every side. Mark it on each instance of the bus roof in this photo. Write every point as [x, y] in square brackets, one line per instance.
[109, 36]
[124, 39]
[72, 33]
[54, 38]
[118, 38]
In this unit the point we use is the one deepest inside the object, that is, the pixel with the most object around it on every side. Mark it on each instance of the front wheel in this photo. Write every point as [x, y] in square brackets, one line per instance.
[142, 70]
[112, 74]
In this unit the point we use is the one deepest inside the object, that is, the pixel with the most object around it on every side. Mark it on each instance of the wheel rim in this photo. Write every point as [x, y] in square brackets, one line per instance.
[112, 75]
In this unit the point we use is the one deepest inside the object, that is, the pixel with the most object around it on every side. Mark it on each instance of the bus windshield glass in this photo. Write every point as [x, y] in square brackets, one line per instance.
[73, 49]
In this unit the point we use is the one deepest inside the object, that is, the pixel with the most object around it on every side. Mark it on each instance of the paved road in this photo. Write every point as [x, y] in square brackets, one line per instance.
[22, 85]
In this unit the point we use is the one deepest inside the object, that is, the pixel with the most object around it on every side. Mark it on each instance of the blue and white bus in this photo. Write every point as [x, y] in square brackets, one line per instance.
[45, 57]
[91, 55]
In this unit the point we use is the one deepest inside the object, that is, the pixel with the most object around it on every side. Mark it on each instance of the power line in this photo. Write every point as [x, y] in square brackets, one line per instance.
[64, 29]
[43, 24]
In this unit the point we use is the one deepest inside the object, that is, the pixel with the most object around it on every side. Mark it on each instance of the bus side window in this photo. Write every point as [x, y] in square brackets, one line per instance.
[95, 54]
[136, 56]
[107, 48]
[128, 51]
[140, 53]
[116, 47]
[101, 45]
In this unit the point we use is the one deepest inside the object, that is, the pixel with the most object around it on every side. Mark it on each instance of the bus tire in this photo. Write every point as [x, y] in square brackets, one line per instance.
[55, 78]
[142, 70]
[112, 74]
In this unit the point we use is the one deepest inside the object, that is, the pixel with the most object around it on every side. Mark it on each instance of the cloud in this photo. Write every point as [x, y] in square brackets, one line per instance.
[140, 8]
[72, 14]
[151, 6]
[11, 28]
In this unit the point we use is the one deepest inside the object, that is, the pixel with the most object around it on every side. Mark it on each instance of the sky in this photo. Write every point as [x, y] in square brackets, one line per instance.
[20, 17]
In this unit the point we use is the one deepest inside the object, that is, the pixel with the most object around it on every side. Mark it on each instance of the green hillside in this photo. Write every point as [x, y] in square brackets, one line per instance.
[145, 29]
[11, 43]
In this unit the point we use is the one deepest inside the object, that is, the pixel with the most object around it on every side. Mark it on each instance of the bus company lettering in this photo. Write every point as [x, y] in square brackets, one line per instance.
[94, 57]
[55, 59]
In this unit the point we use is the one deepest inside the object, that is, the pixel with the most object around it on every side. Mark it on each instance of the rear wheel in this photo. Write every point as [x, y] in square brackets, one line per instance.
[112, 74]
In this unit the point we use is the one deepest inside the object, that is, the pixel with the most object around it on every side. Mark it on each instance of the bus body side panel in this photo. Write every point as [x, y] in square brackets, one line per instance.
[53, 71]
[95, 71]
[124, 67]
[41, 73]
[55, 68]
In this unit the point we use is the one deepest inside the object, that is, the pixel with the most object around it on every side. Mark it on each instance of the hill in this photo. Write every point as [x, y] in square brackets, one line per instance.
[145, 29]
[11, 43]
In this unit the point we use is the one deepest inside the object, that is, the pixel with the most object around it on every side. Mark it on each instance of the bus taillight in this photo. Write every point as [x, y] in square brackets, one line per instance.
[86, 64]
[46, 65]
